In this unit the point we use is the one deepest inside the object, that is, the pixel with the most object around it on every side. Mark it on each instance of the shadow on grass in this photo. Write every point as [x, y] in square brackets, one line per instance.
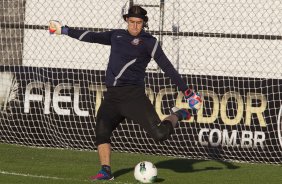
[127, 170]
[186, 165]
[180, 166]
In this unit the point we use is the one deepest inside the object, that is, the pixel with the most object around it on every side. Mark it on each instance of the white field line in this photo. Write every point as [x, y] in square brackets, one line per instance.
[50, 177]
[33, 176]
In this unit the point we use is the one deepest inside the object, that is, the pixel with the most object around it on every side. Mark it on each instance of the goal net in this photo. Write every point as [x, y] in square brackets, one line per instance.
[229, 51]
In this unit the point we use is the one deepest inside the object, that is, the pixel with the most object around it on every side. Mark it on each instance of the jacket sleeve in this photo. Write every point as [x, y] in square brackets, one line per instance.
[92, 37]
[163, 62]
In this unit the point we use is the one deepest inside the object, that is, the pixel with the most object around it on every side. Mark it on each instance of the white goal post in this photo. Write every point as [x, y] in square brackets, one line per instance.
[229, 51]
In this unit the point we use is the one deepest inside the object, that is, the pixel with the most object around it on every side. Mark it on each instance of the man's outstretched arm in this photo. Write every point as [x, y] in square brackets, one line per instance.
[193, 98]
[55, 27]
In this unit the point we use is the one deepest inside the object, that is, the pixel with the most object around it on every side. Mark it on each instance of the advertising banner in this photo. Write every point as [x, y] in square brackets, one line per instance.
[51, 107]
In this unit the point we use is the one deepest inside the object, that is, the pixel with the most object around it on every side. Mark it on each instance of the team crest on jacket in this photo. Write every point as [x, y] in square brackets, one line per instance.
[136, 41]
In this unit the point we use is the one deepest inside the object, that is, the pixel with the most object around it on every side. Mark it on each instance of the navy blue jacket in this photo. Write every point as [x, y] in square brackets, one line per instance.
[130, 56]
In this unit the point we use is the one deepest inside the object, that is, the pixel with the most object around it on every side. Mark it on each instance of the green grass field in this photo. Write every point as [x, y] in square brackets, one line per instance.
[25, 165]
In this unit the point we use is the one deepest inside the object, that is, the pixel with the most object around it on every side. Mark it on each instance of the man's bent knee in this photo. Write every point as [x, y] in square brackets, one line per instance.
[103, 131]
[103, 135]
[102, 140]
[163, 131]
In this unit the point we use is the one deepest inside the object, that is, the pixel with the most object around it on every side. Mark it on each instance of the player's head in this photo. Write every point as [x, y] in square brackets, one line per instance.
[137, 19]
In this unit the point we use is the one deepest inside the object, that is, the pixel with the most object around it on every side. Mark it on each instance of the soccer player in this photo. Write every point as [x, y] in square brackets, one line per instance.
[131, 51]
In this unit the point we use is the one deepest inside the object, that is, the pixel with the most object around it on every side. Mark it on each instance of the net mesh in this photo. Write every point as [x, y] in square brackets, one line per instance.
[230, 51]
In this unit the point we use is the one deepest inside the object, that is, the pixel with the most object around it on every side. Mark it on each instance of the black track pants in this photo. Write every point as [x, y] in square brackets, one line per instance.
[129, 102]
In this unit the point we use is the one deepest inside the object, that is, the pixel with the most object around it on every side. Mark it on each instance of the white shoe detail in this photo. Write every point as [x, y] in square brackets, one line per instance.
[174, 109]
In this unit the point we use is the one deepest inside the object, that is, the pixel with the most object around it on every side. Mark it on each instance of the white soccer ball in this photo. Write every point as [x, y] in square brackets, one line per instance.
[145, 172]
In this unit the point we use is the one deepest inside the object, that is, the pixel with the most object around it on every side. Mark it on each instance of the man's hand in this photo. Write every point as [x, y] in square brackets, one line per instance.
[193, 99]
[55, 27]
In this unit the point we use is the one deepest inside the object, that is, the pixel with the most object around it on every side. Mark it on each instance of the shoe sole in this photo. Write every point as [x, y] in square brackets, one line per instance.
[174, 109]
[103, 179]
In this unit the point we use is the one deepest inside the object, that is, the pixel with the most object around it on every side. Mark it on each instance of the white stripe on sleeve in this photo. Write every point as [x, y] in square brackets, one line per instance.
[83, 34]
[154, 49]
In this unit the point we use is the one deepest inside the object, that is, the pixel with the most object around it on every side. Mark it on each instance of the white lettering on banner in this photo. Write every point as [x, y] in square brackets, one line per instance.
[218, 106]
[32, 97]
[229, 141]
[240, 108]
[201, 119]
[216, 137]
[47, 98]
[57, 98]
[150, 94]
[99, 89]
[215, 108]
[255, 110]
[41, 92]
[76, 102]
